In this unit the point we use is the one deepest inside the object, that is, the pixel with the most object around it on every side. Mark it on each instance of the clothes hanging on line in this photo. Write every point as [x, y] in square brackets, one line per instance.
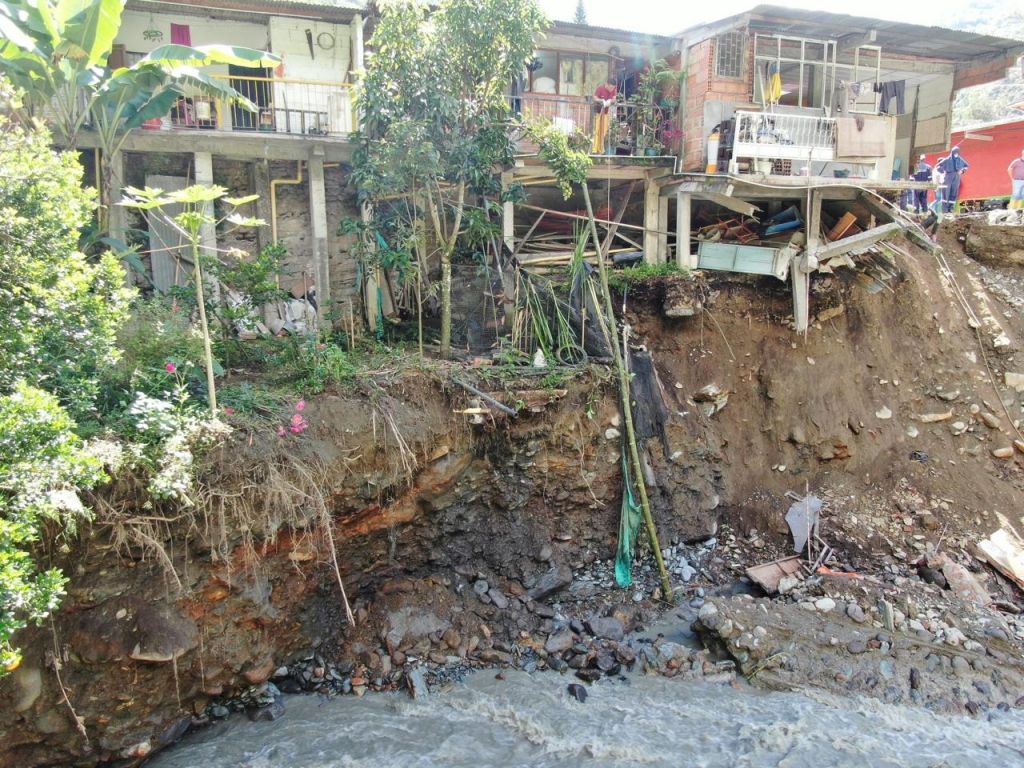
[889, 90]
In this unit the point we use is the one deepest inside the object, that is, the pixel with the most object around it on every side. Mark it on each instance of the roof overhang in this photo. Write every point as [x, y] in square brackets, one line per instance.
[325, 10]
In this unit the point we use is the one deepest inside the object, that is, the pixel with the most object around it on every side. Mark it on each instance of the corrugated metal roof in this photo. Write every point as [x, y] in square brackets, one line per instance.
[894, 37]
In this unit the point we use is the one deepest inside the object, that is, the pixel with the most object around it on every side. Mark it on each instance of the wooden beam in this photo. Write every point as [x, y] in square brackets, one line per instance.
[860, 240]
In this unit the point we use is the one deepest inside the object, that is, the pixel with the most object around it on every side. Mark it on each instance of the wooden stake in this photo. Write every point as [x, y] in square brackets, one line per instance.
[627, 415]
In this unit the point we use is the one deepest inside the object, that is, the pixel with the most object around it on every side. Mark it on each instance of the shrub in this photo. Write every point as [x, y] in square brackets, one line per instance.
[59, 311]
[42, 463]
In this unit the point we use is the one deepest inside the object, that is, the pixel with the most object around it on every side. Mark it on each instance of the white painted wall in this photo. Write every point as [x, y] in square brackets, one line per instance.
[205, 31]
[329, 63]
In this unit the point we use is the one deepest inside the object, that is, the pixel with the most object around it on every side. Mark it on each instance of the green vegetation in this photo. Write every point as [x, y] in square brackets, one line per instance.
[621, 279]
[436, 120]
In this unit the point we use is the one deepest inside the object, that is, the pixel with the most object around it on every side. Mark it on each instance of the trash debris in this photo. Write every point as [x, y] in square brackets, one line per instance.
[769, 576]
[920, 456]
[1003, 550]
[711, 399]
[802, 519]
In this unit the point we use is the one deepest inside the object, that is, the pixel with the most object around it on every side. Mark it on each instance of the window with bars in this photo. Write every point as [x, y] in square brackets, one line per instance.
[729, 53]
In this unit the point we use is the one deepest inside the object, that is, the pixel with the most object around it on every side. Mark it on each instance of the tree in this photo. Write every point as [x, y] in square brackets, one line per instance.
[436, 114]
[580, 17]
[42, 462]
[56, 52]
[59, 311]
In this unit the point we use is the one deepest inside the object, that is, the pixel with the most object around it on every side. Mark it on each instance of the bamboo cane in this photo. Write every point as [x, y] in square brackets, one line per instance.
[627, 411]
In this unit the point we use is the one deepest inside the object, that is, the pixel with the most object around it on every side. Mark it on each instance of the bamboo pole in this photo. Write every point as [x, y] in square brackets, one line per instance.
[627, 411]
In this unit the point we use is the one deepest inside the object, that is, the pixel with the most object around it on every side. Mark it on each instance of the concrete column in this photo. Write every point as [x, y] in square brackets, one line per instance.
[683, 231]
[813, 215]
[117, 216]
[203, 164]
[508, 214]
[318, 219]
[261, 187]
[652, 209]
[357, 43]
[662, 228]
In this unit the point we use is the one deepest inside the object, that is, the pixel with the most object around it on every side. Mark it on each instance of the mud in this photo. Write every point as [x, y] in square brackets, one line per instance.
[424, 506]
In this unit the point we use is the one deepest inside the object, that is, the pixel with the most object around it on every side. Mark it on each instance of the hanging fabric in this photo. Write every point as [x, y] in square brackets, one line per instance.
[181, 34]
[774, 83]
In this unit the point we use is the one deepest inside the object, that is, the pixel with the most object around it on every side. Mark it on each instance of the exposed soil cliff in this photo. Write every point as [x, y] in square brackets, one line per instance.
[469, 544]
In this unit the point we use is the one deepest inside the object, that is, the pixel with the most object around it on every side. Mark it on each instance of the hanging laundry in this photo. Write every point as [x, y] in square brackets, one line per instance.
[181, 34]
[889, 90]
[774, 83]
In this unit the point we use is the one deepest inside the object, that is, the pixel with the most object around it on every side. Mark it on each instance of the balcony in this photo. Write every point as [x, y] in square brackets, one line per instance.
[633, 129]
[286, 106]
[767, 143]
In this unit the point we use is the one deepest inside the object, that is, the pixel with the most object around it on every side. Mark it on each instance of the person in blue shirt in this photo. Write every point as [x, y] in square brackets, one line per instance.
[922, 172]
[953, 167]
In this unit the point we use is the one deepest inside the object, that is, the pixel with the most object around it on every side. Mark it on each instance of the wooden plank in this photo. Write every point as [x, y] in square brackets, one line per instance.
[861, 240]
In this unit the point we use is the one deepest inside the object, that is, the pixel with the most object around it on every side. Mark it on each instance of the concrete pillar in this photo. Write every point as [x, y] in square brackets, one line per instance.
[261, 187]
[508, 214]
[662, 228]
[813, 229]
[683, 231]
[203, 164]
[357, 43]
[117, 216]
[318, 220]
[652, 209]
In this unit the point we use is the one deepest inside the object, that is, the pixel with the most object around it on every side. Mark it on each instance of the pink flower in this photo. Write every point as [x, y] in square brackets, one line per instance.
[280, 431]
[170, 367]
[297, 418]
[301, 405]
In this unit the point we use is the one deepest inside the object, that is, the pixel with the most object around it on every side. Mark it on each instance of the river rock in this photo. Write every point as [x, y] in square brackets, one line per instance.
[1003, 452]
[416, 684]
[990, 419]
[824, 604]
[269, 712]
[481, 587]
[556, 579]
[855, 612]
[577, 691]
[559, 642]
[606, 627]
[498, 598]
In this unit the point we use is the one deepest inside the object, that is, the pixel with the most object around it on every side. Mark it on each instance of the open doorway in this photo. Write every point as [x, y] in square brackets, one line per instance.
[255, 84]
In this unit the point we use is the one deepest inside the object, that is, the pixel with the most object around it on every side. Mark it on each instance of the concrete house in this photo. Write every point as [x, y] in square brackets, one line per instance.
[288, 152]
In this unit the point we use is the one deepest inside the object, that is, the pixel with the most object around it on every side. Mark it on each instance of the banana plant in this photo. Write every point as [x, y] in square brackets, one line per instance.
[56, 52]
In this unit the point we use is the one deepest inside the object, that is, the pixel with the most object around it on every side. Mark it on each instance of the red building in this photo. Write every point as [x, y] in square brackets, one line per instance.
[989, 149]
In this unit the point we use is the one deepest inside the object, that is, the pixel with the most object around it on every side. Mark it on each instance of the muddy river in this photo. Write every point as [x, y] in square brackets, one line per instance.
[529, 720]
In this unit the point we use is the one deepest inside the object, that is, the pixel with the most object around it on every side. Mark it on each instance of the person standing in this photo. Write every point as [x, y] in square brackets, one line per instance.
[922, 172]
[1016, 173]
[604, 97]
[953, 167]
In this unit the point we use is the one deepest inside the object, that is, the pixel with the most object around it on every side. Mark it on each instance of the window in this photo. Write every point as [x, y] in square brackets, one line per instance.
[567, 74]
[793, 72]
[729, 53]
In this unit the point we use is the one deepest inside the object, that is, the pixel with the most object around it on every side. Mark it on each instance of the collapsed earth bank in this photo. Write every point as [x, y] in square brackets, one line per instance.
[463, 544]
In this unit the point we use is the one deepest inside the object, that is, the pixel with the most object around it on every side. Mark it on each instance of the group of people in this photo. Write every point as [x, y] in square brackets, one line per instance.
[945, 174]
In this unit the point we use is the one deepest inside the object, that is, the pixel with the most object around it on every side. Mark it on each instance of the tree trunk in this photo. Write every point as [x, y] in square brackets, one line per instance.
[446, 274]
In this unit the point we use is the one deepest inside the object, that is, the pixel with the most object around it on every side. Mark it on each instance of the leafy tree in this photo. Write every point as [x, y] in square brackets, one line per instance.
[42, 462]
[59, 312]
[56, 51]
[580, 17]
[435, 109]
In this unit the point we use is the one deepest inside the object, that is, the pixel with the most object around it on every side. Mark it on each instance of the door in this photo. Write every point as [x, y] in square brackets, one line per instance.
[253, 83]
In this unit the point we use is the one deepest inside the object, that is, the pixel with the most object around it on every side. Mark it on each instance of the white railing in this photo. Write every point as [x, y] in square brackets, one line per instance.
[769, 136]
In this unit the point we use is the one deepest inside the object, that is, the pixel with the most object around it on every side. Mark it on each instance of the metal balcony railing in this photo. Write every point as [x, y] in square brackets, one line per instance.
[769, 136]
[283, 105]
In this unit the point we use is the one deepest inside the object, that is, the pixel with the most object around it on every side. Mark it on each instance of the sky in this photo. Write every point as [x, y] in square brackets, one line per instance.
[666, 17]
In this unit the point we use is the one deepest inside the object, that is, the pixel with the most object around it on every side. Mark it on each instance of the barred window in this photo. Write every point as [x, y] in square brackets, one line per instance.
[729, 50]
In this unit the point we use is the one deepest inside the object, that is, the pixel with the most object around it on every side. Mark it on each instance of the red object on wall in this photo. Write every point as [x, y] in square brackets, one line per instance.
[988, 159]
[181, 34]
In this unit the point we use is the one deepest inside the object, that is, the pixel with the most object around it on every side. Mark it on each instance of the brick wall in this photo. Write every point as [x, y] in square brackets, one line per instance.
[703, 85]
